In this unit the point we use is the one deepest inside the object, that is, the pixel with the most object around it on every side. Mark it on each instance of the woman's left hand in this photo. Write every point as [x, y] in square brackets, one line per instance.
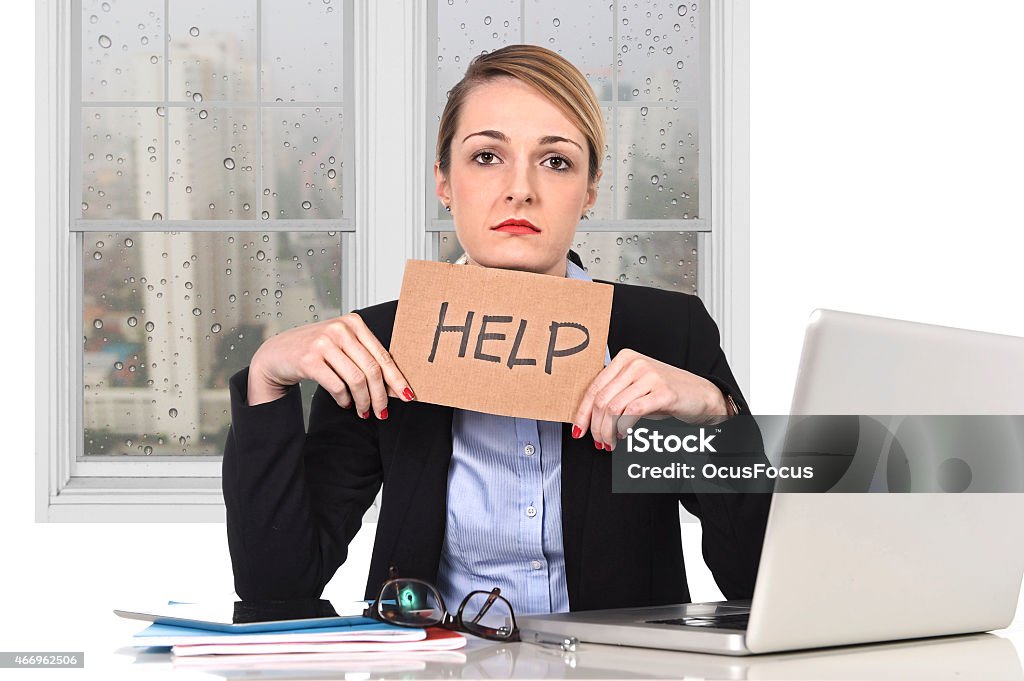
[634, 386]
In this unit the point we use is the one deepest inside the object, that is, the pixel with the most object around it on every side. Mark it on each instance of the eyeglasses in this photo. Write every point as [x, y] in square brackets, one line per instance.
[408, 602]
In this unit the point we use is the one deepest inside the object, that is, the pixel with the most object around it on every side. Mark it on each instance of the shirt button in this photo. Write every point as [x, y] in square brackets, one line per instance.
[529, 449]
[531, 511]
[535, 564]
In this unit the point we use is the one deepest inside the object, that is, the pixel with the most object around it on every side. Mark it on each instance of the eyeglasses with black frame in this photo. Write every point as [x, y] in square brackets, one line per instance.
[408, 602]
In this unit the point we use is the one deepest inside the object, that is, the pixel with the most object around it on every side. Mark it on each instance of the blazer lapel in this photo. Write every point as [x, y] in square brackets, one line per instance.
[417, 481]
[577, 465]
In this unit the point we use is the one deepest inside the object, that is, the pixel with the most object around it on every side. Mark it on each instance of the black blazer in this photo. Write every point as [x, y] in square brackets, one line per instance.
[295, 499]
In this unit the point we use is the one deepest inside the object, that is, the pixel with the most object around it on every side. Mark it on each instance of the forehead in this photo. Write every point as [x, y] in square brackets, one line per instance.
[514, 108]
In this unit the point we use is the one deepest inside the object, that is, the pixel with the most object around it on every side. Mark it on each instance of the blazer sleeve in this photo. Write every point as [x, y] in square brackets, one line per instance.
[294, 499]
[732, 524]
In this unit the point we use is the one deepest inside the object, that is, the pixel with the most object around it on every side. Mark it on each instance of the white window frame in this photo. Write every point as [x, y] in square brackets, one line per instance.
[388, 75]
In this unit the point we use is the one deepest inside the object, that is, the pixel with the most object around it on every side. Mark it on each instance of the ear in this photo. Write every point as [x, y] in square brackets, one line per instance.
[441, 186]
[592, 193]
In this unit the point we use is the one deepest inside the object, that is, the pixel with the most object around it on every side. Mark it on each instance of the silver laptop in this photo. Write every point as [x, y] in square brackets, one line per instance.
[840, 569]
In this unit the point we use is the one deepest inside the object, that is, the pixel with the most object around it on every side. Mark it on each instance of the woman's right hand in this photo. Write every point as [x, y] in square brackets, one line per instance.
[340, 354]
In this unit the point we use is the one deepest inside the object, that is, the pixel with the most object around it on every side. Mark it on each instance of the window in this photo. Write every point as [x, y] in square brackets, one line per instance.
[222, 171]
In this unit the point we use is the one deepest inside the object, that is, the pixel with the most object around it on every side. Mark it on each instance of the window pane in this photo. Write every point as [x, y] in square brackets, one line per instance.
[666, 260]
[122, 50]
[302, 50]
[658, 173]
[122, 163]
[213, 158]
[583, 37]
[302, 163]
[658, 51]
[212, 50]
[169, 317]
[465, 29]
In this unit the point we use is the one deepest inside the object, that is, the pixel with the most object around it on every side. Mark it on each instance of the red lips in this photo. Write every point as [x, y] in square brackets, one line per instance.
[516, 226]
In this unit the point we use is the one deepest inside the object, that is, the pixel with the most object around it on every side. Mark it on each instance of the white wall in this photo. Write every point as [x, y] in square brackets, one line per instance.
[886, 170]
[886, 167]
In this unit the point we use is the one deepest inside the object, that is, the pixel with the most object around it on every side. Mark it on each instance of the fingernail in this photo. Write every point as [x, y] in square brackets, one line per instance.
[407, 393]
[608, 447]
[576, 431]
[366, 415]
[384, 414]
[598, 445]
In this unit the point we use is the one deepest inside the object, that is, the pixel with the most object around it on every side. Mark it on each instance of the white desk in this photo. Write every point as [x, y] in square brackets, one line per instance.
[979, 656]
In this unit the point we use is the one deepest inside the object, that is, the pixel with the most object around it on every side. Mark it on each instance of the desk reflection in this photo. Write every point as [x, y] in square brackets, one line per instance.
[959, 657]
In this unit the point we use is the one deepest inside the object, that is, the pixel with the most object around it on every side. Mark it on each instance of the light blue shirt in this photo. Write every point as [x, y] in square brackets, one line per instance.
[504, 523]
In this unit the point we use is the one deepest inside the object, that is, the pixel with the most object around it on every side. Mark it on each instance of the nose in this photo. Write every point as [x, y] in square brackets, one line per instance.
[520, 190]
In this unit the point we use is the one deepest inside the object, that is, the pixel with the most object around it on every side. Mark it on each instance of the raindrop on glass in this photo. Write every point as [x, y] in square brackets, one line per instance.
[229, 163]
[150, 326]
[148, 449]
[487, 20]
[306, 205]
[332, 173]
[97, 256]
[619, 241]
[196, 311]
[555, 22]
[132, 321]
[104, 41]
[278, 293]
[215, 328]
[260, 255]
[203, 114]
[172, 412]
[97, 323]
[654, 179]
[643, 259]
[194, 31]
[681, 10]
[265, 215]
[197, 97]
[157, 216]
[643, 111]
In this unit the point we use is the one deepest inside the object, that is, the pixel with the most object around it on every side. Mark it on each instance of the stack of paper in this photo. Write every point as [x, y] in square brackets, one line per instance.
[367, 638]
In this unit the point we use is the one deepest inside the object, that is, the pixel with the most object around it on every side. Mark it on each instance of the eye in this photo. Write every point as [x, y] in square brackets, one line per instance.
[557, 163]
[486, 158]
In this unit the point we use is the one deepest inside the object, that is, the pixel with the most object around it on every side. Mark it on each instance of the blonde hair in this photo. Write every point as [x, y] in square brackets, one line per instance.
[550, 74]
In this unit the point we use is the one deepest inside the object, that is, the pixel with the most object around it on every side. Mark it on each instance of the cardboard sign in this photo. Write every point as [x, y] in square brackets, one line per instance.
[500, 341]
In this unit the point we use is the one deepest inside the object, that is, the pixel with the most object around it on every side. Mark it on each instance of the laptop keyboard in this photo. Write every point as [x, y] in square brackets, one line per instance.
[734, 621]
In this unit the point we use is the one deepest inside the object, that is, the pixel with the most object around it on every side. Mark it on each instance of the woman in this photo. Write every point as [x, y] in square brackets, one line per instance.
[473, 501]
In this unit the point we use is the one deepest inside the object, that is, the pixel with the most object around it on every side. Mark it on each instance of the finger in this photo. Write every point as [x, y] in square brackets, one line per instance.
[583, 420]
[353, 377]
[625, 393]
[373, 377]
[396, 383]
[330, 381]
[615, 383]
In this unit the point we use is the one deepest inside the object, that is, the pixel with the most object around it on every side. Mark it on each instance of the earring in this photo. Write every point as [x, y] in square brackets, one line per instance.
[448, 208]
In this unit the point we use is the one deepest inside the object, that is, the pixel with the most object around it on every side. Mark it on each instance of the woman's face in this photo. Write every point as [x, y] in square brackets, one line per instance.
[516, 157]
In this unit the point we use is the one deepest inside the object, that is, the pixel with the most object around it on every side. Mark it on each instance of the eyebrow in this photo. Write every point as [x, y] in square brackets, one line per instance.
[498, 135]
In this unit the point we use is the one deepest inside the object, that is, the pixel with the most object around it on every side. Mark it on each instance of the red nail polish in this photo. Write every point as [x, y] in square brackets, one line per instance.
[407, 393]
[576, 431]
[366, 415]
[384, 414]
[598, 445]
